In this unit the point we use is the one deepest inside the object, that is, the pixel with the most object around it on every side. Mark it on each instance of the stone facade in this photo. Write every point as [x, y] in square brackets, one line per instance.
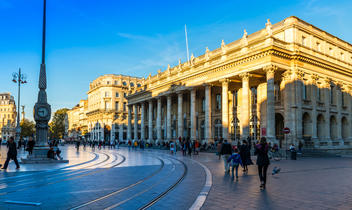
[290, 74]
[8, 115]
[103, 116]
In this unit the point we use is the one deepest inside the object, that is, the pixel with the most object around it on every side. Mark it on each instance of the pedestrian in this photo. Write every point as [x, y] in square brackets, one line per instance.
[51, 153]
[11, 154]
[129, 144]
[226, 152]
[235, 160]
[218, 147]
[30, 145]
[245, 155]
[197, 147]
[261, 150]
[300, 146]
[77, 145]
[189, 147]
[172, 148]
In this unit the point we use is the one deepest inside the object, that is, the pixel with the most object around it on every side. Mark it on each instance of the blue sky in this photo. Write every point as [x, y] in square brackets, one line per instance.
[89, 38]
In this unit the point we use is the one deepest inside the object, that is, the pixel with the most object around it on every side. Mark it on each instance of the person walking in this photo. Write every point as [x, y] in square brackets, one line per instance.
[30, 145]
[218, 148]
[226, 152]
[261, 150]
[245, 155]
[235, 160]
[11, 154]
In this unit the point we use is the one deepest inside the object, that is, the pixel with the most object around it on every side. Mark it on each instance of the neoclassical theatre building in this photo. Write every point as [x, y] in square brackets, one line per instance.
[290, 74]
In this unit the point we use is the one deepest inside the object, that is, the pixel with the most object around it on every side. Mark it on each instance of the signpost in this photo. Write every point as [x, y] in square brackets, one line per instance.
[286, 131]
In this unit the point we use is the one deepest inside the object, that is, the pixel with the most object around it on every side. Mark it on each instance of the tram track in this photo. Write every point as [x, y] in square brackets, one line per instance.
[123, 188]
[71, 178]
[51, 170]
[161, 195]
[56, 174]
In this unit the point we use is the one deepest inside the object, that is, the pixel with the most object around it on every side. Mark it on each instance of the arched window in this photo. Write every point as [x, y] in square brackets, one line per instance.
[344, 128]
[333, 128]
[320, 126]
[218, 129]
[307, 125]
[124, 83]
[132, 84]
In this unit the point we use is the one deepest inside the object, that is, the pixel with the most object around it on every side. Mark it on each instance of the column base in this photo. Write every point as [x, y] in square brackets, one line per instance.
[39, 156]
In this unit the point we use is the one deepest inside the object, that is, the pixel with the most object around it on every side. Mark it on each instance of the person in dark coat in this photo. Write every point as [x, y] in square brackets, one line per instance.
[51, 153]
[226, 152]
[30, 145]
[11, 154]
[245, 155]
[261, 150]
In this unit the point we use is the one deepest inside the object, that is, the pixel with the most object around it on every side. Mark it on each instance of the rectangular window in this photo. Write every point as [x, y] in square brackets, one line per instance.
[107, 105]
[236, 98]
[304, 91]
[117, 94]
[124, 95]
[203, 105]
[116, 105]
[218, 101]
[304, 41]
[124, 106]
[106, 94]
[318, 46]
[343, 99]
[331, 94]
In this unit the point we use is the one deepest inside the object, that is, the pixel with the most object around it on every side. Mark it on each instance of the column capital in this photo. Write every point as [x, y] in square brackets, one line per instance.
[298, 74]
[270, 69]
[314, 78]
[245, 75]
[226, 80]
[179, 92]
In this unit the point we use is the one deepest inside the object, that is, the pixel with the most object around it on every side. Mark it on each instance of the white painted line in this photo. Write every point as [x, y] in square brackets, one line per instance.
[23, 203]
[199, 202]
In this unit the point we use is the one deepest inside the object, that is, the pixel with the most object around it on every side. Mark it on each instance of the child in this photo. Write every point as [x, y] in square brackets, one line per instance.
[235, 160]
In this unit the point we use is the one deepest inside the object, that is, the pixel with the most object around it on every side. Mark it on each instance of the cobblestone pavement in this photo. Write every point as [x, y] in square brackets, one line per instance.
[123, 179]
[309, 183]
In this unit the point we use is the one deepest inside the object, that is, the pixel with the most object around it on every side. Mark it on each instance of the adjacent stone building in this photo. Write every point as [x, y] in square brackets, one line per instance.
[103, 116]
[8, 115]
[290, 74]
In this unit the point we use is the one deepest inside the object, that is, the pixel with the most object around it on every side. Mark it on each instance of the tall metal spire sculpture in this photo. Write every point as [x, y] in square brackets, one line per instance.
[42, 110]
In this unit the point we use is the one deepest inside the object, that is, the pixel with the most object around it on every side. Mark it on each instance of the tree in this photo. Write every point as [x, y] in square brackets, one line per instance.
[27, 128]
[57, 125]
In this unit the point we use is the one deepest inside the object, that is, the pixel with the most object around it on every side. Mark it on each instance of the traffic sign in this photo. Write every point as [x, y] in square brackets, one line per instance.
[286, 130]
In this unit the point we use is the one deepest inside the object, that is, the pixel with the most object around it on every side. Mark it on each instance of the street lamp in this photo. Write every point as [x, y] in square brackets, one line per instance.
[20, 79]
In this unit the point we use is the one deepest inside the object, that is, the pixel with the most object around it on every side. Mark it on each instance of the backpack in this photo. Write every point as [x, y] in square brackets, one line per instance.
[236, 160]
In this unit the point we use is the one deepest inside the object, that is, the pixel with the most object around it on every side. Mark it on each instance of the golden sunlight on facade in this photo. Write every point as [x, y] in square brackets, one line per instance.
[290, 74]
[7, 116]
[103, 117]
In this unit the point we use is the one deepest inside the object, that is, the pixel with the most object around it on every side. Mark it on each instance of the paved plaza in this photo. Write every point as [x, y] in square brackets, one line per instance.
[153, 179]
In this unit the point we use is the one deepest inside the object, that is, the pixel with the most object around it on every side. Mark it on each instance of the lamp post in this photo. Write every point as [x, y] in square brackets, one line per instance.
[20, 79]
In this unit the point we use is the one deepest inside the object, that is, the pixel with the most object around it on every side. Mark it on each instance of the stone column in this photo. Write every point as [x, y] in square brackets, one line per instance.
[112, 132]
[180, 114]
[193, 114]
[339, 115]
[327, 87]
[207, 123]
[270, 101]
[129, 126]
[225, 109]
[158, 119]
[314, 107]
[150, 121]
[143, 121]
[298, 74]
[168, 117]
[121, 131]
[245, 106]
[135, 121]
